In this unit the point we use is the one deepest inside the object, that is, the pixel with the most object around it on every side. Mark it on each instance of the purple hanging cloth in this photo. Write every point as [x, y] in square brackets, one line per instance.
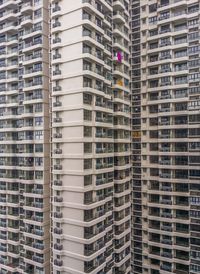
[119, 56]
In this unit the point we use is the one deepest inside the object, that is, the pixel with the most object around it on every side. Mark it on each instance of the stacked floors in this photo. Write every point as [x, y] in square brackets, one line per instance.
[170, 136]
[24, 137]
[136, 138]
[91, 167]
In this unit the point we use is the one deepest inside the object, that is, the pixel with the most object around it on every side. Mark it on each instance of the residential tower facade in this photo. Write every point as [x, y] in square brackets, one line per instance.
[24, 137]
[170, 136]
[91, 137]
[135, 57]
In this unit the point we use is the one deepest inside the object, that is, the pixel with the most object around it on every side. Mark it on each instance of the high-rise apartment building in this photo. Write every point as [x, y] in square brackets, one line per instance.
[24, 137]
[170, 147]
[65, 137]
[136, 224]
[91, 136]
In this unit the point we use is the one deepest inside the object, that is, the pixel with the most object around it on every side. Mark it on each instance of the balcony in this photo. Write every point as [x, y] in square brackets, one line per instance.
[58, 262]
[166, 241]
[58, 182]
[56, 72]
[166, 215]
[57, 40]
[58, 215]
[166, 228]
[166, 254]
[166, 268]
[56, 8]
[166, 202]
[166, 188]
[58, 231]
[58, 151]
[57, 135]
[57, 56]
[57, 88]
[38, 259]
[58, 247]
[57, 120]
[3, 249]
[56, 24]
[57, 104]
[58, 199]
[38, 246]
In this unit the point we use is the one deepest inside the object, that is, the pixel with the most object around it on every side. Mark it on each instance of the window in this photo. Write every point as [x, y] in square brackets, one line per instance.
[38, 161]
[164, 15]
[87, 32]
[165, 54]
[37, 40]
[39, 175]
[193, 36]
[37, 67]
[38, 80]
[165, 28]
[194, 49]
[37, 2]
[180, 93]
[87, 82]
[87, 98]
[165, 80]
[179, 27]
[38, 107]
[180, 53]
[193, 22]
[87, 148]
[165, 68]
[38, 26]
[194, 76]
[194, 105]
[153, 32]
[153, 45]
[165, 41]
[194, 63]
[87, 115]
[153, 20]
[193, 8]
[87, 163]
[38, 148]
[38, 135]
[38, 121]
[153, 8]
[38, 13]
[87, 132]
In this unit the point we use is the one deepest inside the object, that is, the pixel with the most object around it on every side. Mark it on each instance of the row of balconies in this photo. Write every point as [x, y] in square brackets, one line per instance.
[178, 241]
[100, 8]
[36, 217]
[93, 214]
[175, 174]
[157, 83]
[156, 71]
[92, 265]
[156, 58]
[35, 244]
[91, 200]
[169, 215]
[92, 248]
[90, 83]
[178, 254]
[156, 97]
[177, 202]
[169, 187]
[35, 231]
[177, 227]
